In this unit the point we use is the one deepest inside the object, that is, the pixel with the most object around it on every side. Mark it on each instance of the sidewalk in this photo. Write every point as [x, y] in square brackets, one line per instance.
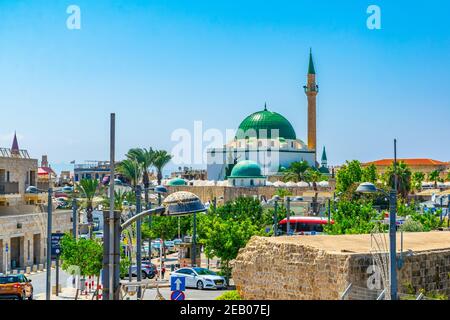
[69, 293]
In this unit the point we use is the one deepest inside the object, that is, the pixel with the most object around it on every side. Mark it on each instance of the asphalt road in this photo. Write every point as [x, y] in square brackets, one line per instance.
[39, 280]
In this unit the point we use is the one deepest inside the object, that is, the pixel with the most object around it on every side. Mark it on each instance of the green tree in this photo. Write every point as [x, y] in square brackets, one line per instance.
[86, 254]
[434, 176]
[348, 175]
[131, 170]
[403, 174]
[224, 231]
[88, 188]
[370, 174]
[161, 159]
[164, 227]
[296, 172]
[353, 217]
[416, 180]
[145, 158]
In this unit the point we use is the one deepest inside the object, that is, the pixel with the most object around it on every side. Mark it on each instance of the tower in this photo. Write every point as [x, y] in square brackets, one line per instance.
[311, 90]
[15, 146]
[324, 160]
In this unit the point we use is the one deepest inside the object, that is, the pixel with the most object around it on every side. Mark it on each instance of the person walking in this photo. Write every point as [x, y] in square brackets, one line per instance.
[163, 271]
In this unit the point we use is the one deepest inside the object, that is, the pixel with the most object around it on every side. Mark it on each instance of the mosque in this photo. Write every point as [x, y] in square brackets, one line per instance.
[266, 143]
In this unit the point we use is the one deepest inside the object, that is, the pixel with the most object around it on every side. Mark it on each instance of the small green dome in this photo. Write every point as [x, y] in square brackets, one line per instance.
[177, 182]
[266, 120]
[246, 169]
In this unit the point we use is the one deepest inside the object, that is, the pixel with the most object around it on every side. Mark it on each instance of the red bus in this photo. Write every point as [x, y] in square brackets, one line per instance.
[303, 225]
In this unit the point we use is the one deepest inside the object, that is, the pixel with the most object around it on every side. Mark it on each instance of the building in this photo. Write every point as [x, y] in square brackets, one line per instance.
[189, 174]
[246, 173]
[17, 170]
[23, 216]
[46, 177]
[423, 165]
[91, 170]
[268, 138]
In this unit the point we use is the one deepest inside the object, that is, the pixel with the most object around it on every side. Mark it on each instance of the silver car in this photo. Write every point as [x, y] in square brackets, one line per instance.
[200, 278]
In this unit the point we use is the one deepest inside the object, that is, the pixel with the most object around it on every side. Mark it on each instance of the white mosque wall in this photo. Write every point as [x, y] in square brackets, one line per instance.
[270, 161]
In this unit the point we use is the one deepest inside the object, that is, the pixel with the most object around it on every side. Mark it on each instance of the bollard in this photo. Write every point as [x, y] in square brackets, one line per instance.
[35, 268]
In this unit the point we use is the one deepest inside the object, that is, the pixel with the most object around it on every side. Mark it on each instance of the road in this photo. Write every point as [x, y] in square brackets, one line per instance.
[39, 285]
[39, 280]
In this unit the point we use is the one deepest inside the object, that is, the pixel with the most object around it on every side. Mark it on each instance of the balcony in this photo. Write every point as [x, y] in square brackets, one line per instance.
[9, 187]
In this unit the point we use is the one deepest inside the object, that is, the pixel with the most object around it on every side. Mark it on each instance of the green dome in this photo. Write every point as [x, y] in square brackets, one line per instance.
[246, 169]
[266, 120]
[177, 182]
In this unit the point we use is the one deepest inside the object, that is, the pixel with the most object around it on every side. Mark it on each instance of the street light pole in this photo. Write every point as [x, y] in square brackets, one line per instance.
[275, 218]
[288, 214]
[393, 230]
[49, 244]
[138, 239]
[194, 241]
[74, 218]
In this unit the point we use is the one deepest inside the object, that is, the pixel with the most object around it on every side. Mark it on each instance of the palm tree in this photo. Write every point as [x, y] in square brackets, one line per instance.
[131, 170]
[434, 176]
[314, 176]
[417, 179]
[162, 158]
[145, 158]
[296, 171]
[403, 178]
[88, 189]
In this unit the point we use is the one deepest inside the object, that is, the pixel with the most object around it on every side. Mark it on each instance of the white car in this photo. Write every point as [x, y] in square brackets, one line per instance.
[200, 278]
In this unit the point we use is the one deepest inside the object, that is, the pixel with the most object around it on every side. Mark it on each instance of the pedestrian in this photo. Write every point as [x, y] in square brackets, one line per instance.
[163, 271]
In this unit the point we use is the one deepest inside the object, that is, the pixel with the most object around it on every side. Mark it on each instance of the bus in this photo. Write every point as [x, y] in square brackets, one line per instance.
[303, 225]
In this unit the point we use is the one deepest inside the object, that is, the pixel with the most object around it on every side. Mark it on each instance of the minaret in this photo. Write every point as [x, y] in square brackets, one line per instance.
[324, 160]
[311, 90]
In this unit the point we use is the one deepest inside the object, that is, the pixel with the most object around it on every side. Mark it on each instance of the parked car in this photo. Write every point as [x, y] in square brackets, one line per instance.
[67, 189]
[31, 189]
[16, 287]
[177, 241]
[148, 270]
[200, 278]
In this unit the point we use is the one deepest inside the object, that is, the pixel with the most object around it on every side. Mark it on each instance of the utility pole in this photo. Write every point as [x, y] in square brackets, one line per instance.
[138, 240]
[49, 245]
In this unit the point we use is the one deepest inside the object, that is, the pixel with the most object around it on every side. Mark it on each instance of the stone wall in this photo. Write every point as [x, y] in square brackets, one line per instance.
[207, 193]
[19, 171]
[321, 267]
[29, 227]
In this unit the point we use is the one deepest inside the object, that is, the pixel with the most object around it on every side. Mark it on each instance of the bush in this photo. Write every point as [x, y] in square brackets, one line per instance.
[411, 225]
[230, 295]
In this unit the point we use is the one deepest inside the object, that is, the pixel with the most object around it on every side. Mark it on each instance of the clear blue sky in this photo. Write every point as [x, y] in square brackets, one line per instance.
[161, 65]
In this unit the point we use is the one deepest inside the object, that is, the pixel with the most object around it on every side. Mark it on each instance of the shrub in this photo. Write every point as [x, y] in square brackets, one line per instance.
[412, 226]
[230, 295]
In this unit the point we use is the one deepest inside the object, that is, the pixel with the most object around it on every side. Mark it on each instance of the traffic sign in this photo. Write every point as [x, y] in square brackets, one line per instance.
[177, 283]
[6, 248]
[177, 295]
[56, 244]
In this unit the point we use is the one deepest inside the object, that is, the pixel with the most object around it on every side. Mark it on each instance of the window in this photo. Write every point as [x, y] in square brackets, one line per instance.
[7, 176]
[272, 143]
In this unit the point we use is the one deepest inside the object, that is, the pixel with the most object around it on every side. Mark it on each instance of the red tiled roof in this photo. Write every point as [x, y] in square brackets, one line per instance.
[45, 170]
[410, 162]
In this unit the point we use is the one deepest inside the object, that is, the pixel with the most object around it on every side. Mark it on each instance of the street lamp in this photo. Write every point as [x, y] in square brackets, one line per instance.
[368, 187]
[176, 204]
[183, 203]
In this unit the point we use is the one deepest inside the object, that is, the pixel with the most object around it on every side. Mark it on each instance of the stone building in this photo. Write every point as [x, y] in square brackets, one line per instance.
[17, 170]
[423, 165]
[322, 267]
[23, 217]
